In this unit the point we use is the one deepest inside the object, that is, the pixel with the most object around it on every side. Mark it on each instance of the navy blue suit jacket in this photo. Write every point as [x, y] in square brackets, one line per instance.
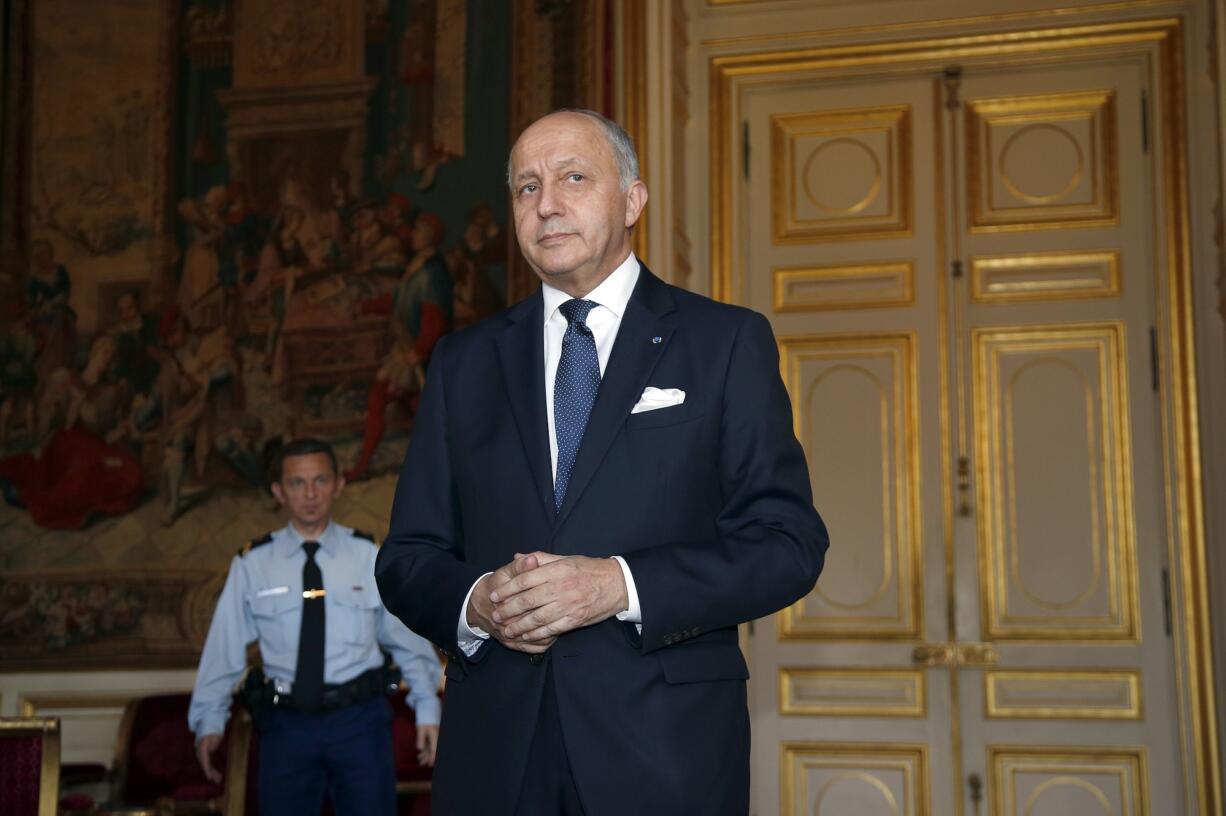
[708, 501]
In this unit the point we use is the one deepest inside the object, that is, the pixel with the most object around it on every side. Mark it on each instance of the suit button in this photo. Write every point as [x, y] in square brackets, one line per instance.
[535, 659]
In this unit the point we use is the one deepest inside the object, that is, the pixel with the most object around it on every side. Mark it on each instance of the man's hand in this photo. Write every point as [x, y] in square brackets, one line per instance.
[204, 750]
[427, 744]
[559, 595]
[481, 609]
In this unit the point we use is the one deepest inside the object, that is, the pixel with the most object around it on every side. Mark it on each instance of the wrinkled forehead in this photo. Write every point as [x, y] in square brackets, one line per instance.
[558, 138]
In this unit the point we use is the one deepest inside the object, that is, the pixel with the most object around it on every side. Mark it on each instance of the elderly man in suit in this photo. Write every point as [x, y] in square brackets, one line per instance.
[602, 483]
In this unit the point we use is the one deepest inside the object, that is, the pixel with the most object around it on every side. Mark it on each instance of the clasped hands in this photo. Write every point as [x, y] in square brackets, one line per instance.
[529, 602]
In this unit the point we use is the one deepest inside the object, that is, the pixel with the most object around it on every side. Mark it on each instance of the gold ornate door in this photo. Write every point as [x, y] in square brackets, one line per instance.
[966, 263]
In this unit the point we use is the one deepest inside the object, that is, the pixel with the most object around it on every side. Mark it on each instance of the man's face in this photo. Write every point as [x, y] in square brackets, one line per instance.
[572, 218]
[307, 488]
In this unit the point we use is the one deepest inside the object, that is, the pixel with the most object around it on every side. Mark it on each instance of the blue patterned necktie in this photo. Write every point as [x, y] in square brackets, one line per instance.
[574, 390]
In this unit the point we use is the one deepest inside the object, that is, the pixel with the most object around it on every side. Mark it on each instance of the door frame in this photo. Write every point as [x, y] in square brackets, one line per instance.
[1162, 39]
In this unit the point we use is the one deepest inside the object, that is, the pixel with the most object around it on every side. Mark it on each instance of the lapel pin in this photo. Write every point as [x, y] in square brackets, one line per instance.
[657, 340]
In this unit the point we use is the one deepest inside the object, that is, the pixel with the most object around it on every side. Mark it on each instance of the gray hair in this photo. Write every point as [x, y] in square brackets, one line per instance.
[619, 141]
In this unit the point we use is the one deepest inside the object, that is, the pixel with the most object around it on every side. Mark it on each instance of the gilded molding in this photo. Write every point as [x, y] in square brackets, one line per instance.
[922, 25]
[1107, 607]
[848, 692]
[879, 135]
[1085, 768]
[852, 286]
[1096, 171]
[1060, 694]
[869, 766]
[886, 362]
[634, 99]
[1045, 276]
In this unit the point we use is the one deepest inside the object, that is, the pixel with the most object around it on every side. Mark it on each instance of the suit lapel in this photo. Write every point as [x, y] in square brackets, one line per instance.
[635, 354]
[521, 348]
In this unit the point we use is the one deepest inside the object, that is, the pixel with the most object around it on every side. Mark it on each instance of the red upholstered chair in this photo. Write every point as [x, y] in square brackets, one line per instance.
[156, 765]
[174, 782]
[29, 765]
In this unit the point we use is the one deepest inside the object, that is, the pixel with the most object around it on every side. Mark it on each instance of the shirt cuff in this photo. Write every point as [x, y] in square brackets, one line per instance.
[211, 725]
[428, 710]
[633, 613]
[469, 638]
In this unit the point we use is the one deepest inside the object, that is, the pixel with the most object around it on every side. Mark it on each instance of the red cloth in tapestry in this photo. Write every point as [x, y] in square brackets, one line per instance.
[21, 767]
[433, 327]
[77, 475]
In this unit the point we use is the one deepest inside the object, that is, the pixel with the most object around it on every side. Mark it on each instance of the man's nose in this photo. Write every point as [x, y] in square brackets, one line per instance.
[549, 203]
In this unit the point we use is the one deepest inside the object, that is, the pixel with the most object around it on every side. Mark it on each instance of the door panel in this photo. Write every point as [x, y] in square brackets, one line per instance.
[1062, 432]
[839, 253]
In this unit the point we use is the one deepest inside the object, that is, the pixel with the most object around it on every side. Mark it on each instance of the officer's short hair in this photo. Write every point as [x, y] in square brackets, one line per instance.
[303, 446]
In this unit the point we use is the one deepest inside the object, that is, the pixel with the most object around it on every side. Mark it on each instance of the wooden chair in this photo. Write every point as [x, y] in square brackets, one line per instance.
[29, 765]
[413, 781]
[241, 797]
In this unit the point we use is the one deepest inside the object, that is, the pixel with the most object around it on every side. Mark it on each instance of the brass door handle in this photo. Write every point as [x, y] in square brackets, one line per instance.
[970, 655]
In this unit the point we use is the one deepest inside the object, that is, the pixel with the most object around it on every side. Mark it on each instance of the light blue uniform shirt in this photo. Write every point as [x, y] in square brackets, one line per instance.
[262, 599]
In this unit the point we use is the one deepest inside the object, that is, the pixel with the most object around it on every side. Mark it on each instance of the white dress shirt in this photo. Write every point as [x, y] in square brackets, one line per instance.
[605, 318]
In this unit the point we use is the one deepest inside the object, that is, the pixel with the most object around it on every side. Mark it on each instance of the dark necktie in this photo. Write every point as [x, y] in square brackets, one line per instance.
[309, 675]
[574, 391]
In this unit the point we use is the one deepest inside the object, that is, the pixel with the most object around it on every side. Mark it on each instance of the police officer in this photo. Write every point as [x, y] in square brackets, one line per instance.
[307, 592]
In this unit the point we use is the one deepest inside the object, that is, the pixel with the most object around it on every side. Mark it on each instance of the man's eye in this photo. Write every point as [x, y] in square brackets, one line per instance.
[527, 188]
[575, 177]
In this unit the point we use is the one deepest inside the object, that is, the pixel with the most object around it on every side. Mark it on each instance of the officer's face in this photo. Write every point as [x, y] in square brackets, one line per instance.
[307, 489]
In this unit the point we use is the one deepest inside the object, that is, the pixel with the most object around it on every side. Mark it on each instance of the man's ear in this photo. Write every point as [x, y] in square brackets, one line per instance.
[278, 492]
[636, 199]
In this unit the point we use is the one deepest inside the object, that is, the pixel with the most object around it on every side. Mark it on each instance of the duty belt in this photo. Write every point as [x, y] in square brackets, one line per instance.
[259, 693]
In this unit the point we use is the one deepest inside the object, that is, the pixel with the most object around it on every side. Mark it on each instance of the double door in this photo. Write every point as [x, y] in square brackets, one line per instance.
[964, 270]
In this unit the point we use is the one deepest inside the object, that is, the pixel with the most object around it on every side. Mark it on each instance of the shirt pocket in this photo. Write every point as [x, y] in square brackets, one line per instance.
[354, 611]
[277, 620]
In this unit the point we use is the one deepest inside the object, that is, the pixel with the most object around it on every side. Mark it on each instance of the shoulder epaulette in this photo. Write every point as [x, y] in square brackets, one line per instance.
[363, 534]
[255, 542]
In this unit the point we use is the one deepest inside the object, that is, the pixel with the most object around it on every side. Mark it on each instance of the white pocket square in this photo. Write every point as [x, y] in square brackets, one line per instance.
[654, 398]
